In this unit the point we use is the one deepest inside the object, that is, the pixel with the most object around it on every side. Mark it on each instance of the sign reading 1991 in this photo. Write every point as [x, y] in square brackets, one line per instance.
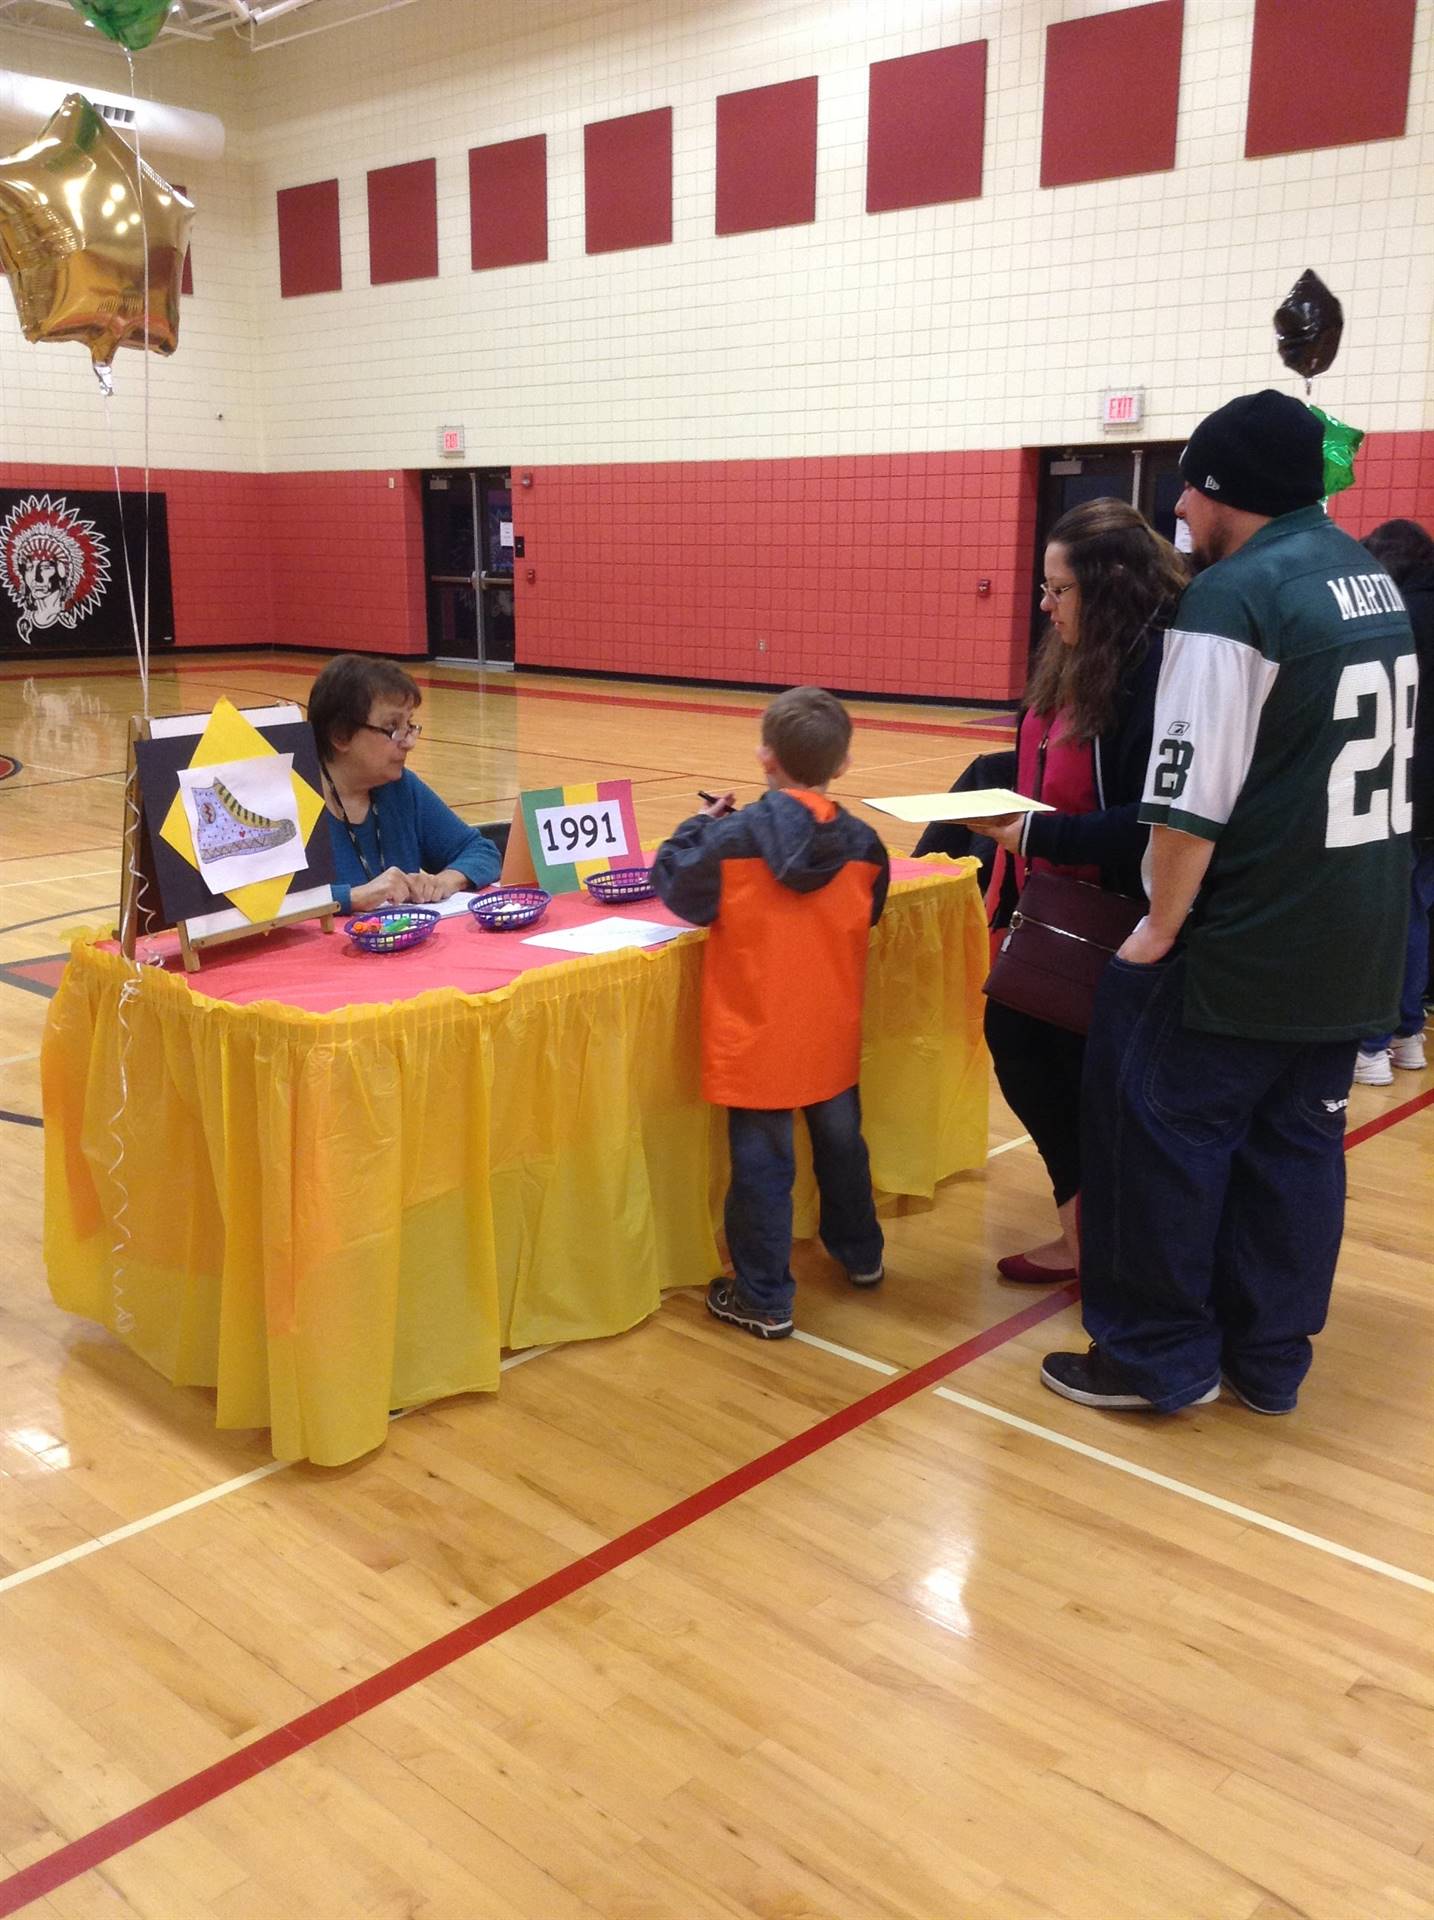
[560, 835]
[591, 830]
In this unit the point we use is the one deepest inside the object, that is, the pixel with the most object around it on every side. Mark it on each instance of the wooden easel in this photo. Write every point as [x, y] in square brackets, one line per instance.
[139, 883]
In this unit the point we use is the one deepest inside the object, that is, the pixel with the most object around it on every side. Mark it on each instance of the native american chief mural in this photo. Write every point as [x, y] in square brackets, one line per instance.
[63, 571]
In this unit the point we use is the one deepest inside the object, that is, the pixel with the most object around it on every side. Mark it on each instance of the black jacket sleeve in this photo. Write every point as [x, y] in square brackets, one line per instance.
[953, 837]
[687, 870]
[883, 879]
[1112, 838]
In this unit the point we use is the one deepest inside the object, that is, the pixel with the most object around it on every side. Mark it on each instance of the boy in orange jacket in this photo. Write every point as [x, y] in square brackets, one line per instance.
[790, 888]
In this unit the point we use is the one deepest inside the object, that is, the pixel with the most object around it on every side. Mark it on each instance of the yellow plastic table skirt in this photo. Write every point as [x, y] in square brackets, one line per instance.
[326, 1216]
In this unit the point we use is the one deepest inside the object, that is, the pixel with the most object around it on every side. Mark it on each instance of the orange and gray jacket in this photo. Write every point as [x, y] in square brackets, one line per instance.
[790, 888]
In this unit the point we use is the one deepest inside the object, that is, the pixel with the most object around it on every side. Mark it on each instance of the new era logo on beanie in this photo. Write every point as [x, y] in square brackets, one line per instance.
[1263, 453]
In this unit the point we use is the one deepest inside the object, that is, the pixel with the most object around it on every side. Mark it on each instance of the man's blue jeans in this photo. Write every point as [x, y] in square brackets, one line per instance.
[759, 1200]
[1416, 956]
[1212, 1198]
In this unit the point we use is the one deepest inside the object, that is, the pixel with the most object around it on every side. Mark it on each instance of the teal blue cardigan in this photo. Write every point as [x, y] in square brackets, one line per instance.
[408, 826]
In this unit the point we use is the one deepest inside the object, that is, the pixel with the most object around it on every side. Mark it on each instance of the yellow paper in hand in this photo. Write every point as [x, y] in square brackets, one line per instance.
[981, 803]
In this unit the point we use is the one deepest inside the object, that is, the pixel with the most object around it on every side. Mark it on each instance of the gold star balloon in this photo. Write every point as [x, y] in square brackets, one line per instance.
[77, 210]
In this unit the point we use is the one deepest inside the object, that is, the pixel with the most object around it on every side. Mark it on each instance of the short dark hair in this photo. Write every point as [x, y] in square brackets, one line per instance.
[341, 697]
[1404, 547]
[809, 731]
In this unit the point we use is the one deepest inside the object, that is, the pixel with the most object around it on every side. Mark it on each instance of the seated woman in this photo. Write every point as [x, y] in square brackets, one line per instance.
[1111, 584]
[394, 840]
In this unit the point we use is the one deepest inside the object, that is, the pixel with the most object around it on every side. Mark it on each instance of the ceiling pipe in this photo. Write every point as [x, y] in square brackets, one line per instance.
[328, 26]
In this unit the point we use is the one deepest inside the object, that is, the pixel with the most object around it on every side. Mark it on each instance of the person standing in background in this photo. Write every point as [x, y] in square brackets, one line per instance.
[1406, 551]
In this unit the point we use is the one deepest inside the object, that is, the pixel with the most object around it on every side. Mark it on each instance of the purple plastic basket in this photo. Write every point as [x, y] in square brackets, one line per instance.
[504, 909]
[619, 885]
[391, 929]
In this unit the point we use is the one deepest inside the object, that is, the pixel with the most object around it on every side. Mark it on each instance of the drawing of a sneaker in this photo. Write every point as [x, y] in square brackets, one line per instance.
[226, 827]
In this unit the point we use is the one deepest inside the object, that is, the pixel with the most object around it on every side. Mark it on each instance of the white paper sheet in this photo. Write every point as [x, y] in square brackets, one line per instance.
[607, 936]
[455, 903]
[244, 818]
[981, 803]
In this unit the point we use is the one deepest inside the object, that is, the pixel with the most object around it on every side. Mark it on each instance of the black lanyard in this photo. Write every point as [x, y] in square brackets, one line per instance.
[368, 872]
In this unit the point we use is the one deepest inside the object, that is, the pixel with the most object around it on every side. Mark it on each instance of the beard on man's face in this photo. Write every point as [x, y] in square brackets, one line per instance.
[1213, 545]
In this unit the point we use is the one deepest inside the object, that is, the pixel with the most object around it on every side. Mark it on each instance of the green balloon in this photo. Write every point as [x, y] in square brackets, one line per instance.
[132, 23]
[1341, 443]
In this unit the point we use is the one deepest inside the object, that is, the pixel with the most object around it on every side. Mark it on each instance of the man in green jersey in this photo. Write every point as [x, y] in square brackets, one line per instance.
[1221, 1052]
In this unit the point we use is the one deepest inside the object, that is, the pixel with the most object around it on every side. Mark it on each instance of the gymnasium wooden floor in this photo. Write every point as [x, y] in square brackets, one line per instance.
[680, 1625]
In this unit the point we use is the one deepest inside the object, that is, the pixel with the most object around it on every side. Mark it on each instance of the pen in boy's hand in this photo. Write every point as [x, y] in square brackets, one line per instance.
[714, 799]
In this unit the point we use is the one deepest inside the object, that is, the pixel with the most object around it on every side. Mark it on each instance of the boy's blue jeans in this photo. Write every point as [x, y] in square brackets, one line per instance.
[759, 1200]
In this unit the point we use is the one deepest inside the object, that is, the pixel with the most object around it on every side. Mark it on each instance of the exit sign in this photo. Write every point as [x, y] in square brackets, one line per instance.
[1122, 407]
[450, 442]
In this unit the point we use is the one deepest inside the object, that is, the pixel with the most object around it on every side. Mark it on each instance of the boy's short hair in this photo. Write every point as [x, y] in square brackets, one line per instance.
[809, 731]
[340, 699]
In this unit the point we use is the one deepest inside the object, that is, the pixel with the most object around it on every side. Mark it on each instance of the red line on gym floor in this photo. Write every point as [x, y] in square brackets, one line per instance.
[1383, 1121]
[976, 730]
[67, 1863]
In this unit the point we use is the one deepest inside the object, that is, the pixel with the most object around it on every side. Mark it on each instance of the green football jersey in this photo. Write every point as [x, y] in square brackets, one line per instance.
[1284, 730]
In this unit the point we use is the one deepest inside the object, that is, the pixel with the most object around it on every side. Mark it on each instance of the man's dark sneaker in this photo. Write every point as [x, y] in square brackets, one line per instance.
[867, 1279]
[1092, 1379]
[1258, 1402]
[725, 1302]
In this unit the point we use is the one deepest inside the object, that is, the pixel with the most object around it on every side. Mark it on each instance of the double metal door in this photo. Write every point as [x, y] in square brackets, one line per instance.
[468, 555]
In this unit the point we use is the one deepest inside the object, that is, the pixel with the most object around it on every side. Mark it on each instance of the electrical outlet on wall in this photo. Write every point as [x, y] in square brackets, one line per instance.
[761, 643]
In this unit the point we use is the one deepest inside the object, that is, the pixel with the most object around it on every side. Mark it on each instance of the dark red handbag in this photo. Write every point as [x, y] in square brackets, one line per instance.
[1060, 941]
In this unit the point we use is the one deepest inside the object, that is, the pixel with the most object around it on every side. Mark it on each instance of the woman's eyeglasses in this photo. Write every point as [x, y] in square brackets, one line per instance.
[1048, 592]
[403, 733]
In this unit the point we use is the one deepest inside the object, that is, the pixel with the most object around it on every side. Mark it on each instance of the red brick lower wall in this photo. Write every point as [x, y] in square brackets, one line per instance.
[1395, 482]
[345, 552]
[861, 573]
[331, 560]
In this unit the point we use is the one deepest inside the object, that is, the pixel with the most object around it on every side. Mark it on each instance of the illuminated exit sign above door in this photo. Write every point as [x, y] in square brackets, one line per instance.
[450, 442]
[1122, 407]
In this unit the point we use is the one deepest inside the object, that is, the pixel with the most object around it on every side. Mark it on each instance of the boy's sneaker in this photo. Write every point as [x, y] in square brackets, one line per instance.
[866, 1279]
[1373, 1069]
[1408, 1051]
[725, 1302]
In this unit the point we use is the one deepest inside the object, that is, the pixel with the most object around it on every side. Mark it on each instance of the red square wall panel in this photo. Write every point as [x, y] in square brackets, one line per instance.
[1329, 74]
[309, 239]
[767, 157]
[627, 181]
[508, 202]
[1112, 88]
[403, 223]
[926, 128]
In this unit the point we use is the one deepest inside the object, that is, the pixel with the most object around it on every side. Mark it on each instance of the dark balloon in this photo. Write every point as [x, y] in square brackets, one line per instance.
[1308, 324]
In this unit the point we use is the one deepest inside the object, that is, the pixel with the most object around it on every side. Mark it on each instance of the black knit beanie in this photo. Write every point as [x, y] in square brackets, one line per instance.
[1263, 453]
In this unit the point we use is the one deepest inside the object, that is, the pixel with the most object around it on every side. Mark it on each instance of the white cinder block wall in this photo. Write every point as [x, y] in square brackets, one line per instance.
[991, 323]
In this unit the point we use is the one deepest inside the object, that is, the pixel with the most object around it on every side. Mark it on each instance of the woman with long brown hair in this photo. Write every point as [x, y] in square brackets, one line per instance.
[1111, 583]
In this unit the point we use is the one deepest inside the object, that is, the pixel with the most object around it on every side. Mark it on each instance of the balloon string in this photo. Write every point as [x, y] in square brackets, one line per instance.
[144, 244]
[141, 653]
[123, 1318]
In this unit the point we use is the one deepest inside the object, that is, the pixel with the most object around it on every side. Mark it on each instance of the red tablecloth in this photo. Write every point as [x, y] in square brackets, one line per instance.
[321, 973]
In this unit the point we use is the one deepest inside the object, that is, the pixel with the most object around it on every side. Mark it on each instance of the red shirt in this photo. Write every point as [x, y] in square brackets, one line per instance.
[1059, 771]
